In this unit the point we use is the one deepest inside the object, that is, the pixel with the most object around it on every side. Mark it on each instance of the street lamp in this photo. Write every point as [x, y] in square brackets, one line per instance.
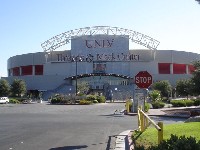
[76, 59]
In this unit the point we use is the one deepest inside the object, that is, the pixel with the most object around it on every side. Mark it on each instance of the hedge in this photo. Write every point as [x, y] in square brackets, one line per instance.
[182, 103]
[157, 105]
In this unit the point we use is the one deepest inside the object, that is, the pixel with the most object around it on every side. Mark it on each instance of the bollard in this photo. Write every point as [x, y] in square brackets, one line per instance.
[139, 126]
[141, 119]
[142, 122]
[160, 132]
[127, 106]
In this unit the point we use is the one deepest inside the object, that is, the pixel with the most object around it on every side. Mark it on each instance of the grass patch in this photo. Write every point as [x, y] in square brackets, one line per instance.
[150, 136]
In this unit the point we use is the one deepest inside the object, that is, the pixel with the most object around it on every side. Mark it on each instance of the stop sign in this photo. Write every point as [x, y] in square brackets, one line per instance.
[143, 79]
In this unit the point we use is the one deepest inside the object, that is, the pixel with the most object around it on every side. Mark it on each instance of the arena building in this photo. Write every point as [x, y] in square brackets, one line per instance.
[99, 56]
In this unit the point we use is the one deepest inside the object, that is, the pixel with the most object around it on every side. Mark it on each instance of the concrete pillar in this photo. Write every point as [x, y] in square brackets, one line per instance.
[171, 68]
[33, 69]
[187, 69]
[20, 71]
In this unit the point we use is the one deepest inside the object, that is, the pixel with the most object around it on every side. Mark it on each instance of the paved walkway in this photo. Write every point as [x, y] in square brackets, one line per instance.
[123, 140]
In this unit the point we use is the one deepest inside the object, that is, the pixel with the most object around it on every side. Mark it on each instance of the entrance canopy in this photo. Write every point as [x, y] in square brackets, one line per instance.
[97, 74]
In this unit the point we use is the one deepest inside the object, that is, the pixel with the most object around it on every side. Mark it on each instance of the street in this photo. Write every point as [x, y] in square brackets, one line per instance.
[62, 127]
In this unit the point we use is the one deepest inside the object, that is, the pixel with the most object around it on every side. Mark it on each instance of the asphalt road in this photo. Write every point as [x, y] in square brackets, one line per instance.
[62, 127]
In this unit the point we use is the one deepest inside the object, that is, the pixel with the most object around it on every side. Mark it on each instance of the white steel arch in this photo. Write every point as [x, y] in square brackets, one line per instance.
[65, 37]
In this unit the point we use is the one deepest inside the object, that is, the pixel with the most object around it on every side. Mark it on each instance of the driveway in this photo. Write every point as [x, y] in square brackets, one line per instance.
[62, 127]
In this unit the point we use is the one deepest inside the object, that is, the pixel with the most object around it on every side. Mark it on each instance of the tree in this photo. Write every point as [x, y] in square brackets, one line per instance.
[184, 87]
[18, 88]
[4, 87]
[196, 77]
[155, 96]
[82, 88]
[164, 87]
[198, 1]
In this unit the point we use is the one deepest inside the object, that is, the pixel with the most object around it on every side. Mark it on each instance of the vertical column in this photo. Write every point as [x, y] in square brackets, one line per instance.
[171, 68]
[10, 71]
[20, 71]
[33, 69]
[187, 69]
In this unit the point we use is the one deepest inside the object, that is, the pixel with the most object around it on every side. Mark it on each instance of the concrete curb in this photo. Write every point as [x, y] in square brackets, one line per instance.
[122, 142]
[176, 116]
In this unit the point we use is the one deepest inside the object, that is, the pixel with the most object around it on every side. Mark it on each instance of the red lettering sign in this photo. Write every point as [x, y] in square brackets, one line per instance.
[143, 79]
[99, 43]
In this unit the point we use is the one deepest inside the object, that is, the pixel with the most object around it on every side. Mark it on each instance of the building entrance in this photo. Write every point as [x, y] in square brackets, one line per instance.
[112, 86]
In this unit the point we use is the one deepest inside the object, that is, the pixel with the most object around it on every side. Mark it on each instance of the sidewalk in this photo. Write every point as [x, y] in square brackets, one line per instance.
[169, 112]
[124, 142]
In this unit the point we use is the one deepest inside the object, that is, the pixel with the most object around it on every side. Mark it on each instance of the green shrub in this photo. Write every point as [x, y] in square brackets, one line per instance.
[175, 143]
[178, 103]
[155, 95]
[146, 107]
[179, 143]
[101, 99]
[85, 102]
[158, 104]
[95, 101]
[182, 103]
[14, 101]
[55, 100]
[196, 102]
[189, 102]
[91, 98]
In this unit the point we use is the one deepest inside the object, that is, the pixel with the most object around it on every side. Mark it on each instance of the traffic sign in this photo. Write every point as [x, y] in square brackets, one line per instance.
[143, 79]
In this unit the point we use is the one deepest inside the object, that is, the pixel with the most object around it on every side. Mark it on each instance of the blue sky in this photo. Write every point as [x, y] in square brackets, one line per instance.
[25, 24]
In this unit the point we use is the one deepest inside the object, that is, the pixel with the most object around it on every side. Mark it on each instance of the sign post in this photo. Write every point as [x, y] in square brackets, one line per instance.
[143, 80]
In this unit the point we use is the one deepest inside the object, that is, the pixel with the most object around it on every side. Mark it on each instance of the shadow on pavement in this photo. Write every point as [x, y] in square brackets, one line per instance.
[69, 147]
[112, 115]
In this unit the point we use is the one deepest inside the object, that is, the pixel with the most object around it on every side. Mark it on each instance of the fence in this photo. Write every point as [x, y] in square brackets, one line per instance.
[144, 121]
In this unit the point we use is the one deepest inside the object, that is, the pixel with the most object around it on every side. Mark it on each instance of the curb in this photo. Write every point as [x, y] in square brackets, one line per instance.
[177, 116]
[124, 141]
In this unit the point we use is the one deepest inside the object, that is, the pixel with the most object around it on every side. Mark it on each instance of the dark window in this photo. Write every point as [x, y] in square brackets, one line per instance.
[179, 68]
[27, 70]
[16, 71]
[38, 69]
[164, 68]
[191, 69]
[99, 67]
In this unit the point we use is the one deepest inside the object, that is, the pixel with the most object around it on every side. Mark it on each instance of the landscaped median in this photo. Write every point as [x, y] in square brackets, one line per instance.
[184, 136]
[73, 99]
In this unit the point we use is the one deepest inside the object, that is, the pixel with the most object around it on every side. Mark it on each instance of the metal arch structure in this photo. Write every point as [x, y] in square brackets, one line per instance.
[65, 37]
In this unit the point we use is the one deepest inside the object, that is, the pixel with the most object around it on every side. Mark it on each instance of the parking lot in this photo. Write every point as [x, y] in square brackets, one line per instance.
[62, 127]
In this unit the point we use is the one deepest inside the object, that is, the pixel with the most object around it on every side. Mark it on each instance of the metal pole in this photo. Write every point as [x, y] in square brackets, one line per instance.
[76, 77]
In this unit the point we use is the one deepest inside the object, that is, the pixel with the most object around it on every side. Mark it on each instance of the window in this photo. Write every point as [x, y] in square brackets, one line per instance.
[179, 68]
[191, 69]
[38, 69]
[27, 70]
[99, 67]
[16, 71]
[164, 68]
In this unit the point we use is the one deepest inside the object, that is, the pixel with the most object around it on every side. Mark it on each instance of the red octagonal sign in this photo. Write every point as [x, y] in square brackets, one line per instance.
[143, 79]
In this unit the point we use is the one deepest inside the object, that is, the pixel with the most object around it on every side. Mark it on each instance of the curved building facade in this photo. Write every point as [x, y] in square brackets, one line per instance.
[103, 61]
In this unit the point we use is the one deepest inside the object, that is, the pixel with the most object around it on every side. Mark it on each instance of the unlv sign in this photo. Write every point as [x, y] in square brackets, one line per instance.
[99, 43]
[143, 79]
